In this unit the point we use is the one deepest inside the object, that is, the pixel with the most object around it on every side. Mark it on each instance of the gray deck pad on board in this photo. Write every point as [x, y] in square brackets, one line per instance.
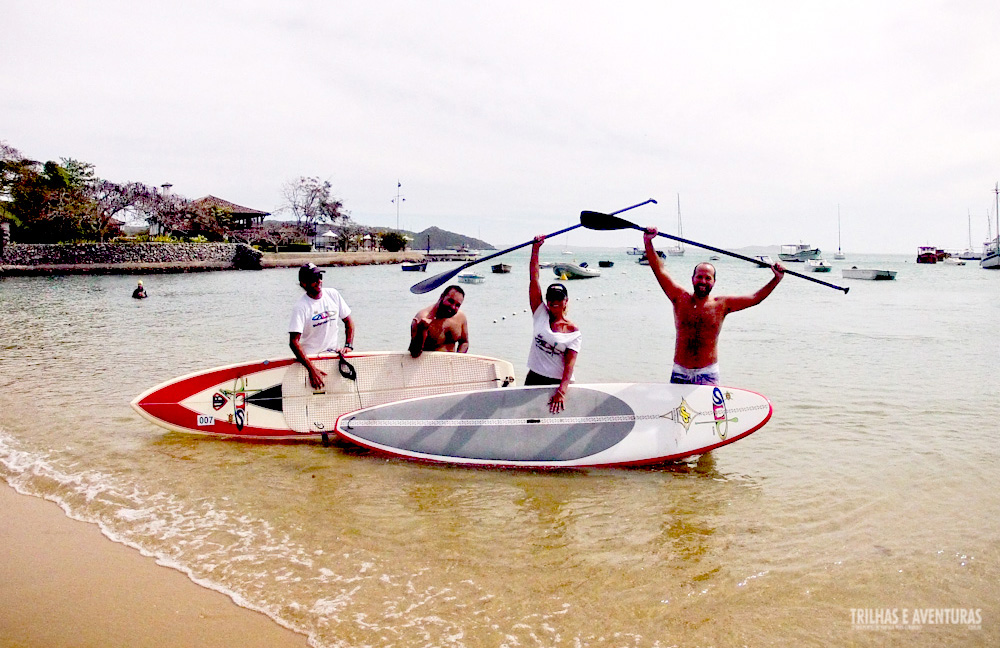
[502, 425]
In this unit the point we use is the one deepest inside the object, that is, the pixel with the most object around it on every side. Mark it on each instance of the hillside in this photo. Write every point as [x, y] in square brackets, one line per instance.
[444, 240]
[439, 239]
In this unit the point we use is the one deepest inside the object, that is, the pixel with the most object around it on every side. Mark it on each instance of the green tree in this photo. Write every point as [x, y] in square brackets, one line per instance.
[348, 238]
[392, 241]
[55, 202]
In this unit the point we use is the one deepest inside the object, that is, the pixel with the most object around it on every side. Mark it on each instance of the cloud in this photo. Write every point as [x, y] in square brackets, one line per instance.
[507, 120]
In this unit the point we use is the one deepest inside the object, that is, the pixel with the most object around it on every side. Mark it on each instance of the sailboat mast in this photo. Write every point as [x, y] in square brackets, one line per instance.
[680, 228]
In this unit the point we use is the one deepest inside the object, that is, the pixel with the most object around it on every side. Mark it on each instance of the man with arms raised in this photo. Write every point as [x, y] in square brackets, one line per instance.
[698, 316]
[314, 325]
[440, 327]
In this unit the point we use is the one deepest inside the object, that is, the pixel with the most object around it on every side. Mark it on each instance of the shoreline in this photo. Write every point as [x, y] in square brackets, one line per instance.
[267, 260]
[63, 583]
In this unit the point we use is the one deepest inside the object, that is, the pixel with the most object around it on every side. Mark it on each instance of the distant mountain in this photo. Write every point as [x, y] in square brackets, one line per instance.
[440, 239]
[443, 240]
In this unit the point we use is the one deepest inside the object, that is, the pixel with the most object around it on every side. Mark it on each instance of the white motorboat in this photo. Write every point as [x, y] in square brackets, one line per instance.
[799, 253]
[872, 275]
[471, 278]
[991, 256]
[575, 271]
[763, 258]
[818, 265]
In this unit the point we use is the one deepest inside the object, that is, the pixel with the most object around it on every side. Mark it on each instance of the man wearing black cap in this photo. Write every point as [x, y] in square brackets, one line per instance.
[313, 328]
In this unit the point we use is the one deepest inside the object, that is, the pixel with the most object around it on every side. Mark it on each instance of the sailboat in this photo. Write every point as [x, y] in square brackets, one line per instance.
[991, 253]
[969, 254]
[678, 250]
[839, 255]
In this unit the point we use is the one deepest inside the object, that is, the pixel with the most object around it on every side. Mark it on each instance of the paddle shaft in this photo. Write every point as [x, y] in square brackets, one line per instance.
[745, 258]
[605, 222]
[430, 284]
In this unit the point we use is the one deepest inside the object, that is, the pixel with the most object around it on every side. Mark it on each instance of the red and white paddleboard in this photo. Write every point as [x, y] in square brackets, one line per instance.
[272, 399]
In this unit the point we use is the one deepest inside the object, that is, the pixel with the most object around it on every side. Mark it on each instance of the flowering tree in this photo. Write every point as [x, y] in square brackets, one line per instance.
[309, 200]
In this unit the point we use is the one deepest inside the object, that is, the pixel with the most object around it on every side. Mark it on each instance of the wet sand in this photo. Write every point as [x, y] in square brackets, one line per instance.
[62, 583]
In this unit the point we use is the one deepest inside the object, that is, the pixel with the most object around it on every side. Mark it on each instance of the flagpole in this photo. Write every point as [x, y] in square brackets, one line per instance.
[399, 198]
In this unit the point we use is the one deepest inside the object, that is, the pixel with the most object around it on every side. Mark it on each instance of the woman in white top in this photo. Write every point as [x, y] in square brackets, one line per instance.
[555, 340]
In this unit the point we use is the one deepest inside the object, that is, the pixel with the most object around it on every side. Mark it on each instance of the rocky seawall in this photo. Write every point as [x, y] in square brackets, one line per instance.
[147, 258]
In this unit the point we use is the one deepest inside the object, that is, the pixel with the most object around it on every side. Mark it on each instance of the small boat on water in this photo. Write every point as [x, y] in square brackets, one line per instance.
[635, 252]
[471, 278]
[501, 268]
[927, 254]
[606, 264]
[714, 257]
[763, 258]
[956, 261]
[818, 265]
[575, 271]
[873, 275]
[799, 253]
[644, 261]
[415, 267]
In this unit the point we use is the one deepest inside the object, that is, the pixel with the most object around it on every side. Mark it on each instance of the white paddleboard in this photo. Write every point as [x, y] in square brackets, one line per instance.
[615, 424]
[272, 399]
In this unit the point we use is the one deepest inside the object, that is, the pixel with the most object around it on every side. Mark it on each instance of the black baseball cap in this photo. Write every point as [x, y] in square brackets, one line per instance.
[556, 292]
[309, 273]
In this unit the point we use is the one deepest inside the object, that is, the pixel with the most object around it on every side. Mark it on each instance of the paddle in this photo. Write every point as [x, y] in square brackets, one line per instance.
[603, 222]
[430, 284]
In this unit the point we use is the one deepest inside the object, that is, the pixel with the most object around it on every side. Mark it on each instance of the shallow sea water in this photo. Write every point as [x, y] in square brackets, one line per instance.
[871, 488]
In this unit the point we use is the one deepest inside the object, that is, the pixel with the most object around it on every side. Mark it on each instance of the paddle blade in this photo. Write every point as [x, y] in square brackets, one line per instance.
[604, 222]
[436, 281]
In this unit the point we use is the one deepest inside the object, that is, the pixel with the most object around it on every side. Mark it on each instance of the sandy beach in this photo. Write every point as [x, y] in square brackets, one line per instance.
[62, 583]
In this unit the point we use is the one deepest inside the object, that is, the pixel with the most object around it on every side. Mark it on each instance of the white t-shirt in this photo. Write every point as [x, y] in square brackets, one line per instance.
[548, 348]
[318, 320]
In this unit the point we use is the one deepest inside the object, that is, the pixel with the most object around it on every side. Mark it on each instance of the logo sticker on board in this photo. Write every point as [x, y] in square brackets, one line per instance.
[219, 401]
[240, 409]
[719, 413]
[681, 414]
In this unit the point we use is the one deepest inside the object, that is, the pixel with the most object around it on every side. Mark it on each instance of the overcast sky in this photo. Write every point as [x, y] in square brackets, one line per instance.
[505, 120]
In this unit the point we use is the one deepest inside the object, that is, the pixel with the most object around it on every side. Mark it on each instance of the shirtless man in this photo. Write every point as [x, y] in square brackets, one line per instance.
[440, 327]
[698, 316]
